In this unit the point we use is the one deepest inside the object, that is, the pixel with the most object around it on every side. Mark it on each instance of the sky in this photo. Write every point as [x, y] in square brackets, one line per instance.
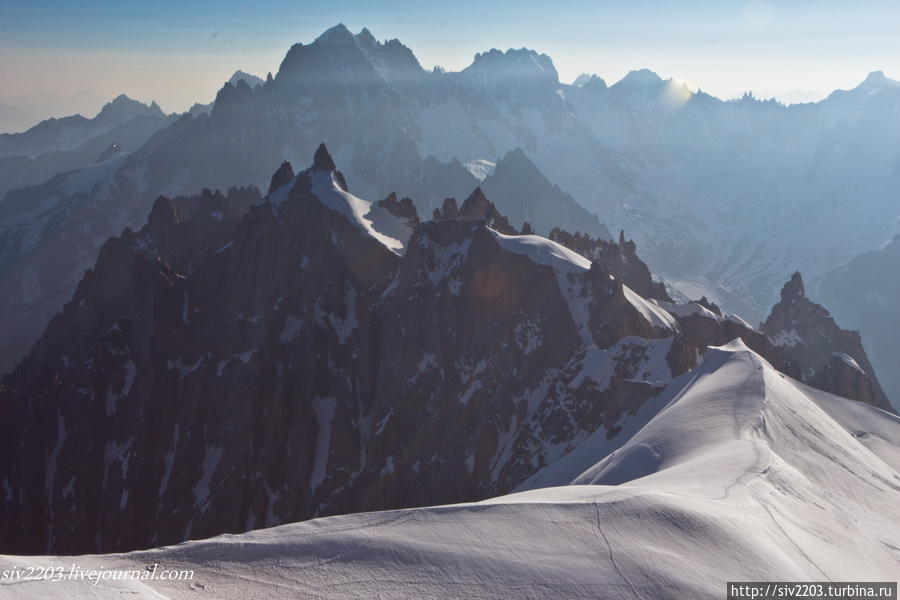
[180, 52]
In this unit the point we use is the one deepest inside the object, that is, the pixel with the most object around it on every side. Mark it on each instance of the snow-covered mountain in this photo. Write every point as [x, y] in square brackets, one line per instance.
[733, 473]
[712, 190]
[59, 145]
[251, 80]
[323, 354]
[726, 197]
[358, 94]
[70, 133]
[730, 197]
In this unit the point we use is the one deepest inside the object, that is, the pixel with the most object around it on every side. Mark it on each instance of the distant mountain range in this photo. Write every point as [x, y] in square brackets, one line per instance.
[434, 326]
[725, 199]
[60, 145]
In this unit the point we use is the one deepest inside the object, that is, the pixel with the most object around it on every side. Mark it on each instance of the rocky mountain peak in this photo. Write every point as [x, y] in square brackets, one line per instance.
[252, 80]
[282, 176]
[516, 157]
[641, 80]
[322, 160]
[334, 58]
[448, 210]
[231, 101]
[581, 79]
[402, 209]
[322, 163]
[365, 37]
[877, 80]
[163, 214]
[619, 260]
[478, 208]
[821, 353]
[339, 34]
[875, 77]
[522, 66]
[590, 82]
[122, 108]
[523, 193]
[392, 59]
[793, 289]
[709, 304]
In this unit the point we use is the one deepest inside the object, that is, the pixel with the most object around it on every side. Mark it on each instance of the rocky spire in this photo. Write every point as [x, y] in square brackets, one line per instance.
[365, 36]
[793, 289]
[476, 207]
[322, 160]
[819, 351]
[282, 176]
[162, 215]
[402, 209]
[448, 210]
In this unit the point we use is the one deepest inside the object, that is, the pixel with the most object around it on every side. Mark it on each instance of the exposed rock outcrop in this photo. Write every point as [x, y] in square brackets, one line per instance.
[282, 176]
[521, 192]
[619, 259]
[819, 351]
[403, 209]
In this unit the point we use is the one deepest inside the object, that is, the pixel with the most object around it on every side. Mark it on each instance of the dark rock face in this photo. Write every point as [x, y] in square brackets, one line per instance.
[448, 210]
[478, 208]
[322, 160]
[402, 209]
[619, 259]
[523, 193]
[865, 295]
[282, 176]
[820, 352]
[431, 181]
[218, 373]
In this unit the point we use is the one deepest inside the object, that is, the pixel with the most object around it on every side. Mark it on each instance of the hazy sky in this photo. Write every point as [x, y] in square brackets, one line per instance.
[180, 52]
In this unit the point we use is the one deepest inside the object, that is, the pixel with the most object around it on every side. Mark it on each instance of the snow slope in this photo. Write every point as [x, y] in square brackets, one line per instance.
[544, 252]
[374, 220]
[735, 472]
